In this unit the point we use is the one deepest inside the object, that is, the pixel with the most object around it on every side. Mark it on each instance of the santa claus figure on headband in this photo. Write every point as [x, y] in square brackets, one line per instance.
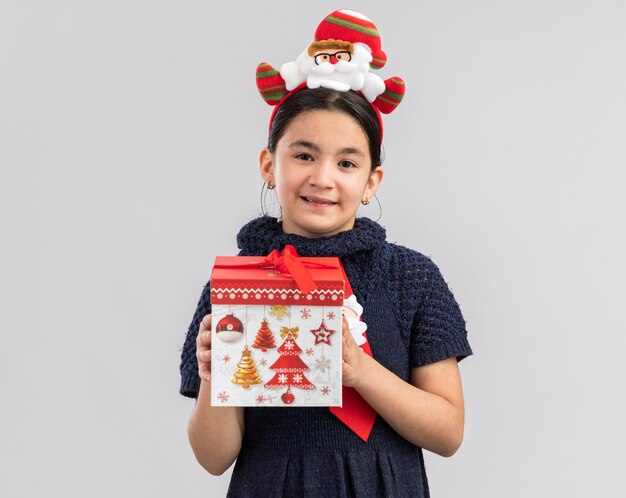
[334, 64]
[346, 46]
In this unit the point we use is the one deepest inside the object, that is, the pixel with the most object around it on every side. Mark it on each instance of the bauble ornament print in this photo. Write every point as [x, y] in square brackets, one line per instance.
[288, 397]
[229, 328]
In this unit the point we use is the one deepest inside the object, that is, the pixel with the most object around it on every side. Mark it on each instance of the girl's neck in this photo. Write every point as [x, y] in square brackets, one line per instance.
[262, 235]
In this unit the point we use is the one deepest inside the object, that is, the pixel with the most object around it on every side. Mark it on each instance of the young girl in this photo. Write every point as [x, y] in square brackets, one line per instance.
[323, 161]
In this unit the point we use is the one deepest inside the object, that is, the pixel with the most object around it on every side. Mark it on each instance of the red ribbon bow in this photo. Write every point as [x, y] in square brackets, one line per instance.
[288, 262]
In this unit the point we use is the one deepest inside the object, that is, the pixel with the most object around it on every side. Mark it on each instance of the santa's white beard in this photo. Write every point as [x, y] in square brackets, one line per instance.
[342, 76]
[326, 68]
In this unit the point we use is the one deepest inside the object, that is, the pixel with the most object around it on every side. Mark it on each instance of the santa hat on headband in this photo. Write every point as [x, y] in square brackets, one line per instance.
[346, 46]
[354, 27]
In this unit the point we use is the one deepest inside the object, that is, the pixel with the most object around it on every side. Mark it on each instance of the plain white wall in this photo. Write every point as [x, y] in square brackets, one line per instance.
[129, 137]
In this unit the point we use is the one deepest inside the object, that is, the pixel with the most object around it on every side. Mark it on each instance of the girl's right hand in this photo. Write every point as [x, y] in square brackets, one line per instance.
[203, 348]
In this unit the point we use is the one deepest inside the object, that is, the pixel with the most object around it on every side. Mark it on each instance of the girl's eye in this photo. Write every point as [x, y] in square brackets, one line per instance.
[347, 164]
[304, 156]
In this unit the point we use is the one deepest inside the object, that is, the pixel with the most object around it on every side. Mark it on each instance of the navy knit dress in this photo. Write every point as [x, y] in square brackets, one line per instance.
[412, 319]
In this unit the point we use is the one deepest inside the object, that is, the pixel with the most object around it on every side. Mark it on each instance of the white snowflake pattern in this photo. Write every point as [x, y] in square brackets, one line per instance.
[297, 378]
[322, 363]
[279, 311]
[289, 345]
[223, 396]
[305, 313]
[309, 352]
[282, 378]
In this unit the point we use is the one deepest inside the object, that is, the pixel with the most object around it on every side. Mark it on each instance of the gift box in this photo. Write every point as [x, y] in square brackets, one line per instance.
[276, 330]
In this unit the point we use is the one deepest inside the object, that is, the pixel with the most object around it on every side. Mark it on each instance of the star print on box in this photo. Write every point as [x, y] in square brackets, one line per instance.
[264, 352]
[322, 334]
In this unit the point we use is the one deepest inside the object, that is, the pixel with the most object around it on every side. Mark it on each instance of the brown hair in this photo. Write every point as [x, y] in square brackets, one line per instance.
[316, 46]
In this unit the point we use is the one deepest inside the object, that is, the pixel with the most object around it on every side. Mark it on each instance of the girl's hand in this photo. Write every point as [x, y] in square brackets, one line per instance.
[203, 348]
[351, 358]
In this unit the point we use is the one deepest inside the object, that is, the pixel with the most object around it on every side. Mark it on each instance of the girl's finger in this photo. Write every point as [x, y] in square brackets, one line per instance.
[345, 350]
[205, 324]
[203, 356]
[203, 339]
[204, 373]
[345, 329]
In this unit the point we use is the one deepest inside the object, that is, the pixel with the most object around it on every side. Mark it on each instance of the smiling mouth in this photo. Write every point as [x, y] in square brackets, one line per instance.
[318, 201]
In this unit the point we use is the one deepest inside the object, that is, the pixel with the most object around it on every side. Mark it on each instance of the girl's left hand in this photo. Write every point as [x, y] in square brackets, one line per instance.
[352, 358]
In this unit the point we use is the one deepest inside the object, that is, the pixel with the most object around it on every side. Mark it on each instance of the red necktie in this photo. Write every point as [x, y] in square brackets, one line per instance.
[355, 412]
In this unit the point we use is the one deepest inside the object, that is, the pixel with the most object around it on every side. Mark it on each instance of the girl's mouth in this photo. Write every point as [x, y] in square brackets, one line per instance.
[319, 201]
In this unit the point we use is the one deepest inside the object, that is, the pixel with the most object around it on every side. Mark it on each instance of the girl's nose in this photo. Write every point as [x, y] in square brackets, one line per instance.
[321, 175]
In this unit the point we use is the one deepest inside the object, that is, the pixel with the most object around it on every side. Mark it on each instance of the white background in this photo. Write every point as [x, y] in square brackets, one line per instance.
[130, 132]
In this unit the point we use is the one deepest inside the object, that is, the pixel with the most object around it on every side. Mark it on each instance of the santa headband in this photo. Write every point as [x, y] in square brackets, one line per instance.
[346, 46]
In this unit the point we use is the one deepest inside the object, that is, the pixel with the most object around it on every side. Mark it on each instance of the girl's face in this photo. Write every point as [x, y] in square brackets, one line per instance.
[321, 169]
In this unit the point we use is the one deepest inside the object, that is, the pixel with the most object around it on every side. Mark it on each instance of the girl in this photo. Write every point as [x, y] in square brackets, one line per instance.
[323, 161]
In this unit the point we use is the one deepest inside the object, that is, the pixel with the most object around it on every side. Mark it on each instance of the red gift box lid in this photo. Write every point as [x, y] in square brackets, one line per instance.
[241, 280]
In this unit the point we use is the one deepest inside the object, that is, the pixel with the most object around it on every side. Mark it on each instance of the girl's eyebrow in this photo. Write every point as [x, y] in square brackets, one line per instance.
[304, 143]
[352, 150]
[310, 145]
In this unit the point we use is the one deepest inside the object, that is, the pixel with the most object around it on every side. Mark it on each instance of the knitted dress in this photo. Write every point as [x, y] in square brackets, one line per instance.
[412, 319]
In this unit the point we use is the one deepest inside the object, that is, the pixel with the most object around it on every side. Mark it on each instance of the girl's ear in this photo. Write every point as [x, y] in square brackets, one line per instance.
[373, 182]
[266, 165]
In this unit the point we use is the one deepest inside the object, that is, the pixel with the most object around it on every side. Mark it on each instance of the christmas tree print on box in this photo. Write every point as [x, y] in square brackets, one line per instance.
[264, 338]
[276, 360]
[289, 369]
[276, 336]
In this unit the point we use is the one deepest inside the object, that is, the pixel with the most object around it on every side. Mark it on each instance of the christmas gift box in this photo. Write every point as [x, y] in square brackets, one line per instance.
[276, 330]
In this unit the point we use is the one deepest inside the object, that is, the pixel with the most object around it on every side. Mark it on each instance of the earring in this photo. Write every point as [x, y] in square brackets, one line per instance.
[366, 201]
[264, 189]
[270, 186]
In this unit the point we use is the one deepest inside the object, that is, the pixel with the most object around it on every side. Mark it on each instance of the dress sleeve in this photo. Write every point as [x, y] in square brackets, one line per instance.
[438, 330]
[189, 380]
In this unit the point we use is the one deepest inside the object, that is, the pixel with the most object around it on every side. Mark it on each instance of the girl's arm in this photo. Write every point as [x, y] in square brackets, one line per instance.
[428, 411]
[215, 433]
